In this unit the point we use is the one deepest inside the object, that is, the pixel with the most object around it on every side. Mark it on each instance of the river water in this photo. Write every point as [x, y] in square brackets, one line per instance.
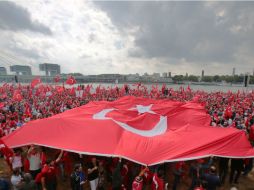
[207, 88]
[195, 87]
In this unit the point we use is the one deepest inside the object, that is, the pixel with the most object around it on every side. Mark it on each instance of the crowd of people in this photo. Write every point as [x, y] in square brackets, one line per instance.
[36, 167]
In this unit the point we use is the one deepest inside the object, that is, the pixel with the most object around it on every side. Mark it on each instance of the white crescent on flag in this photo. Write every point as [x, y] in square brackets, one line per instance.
[159, 129]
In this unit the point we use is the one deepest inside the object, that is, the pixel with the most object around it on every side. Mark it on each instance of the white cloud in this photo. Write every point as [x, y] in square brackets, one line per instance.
[84, 38]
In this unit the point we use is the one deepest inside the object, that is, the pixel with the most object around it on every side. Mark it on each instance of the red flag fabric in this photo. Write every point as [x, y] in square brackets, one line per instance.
[71, 80]
[1, 105]
[17, 95]
[59, 89]
[35, 82]
[145, 131]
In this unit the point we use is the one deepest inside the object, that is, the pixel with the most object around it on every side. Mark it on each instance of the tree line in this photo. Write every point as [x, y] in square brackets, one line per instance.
[215, 78]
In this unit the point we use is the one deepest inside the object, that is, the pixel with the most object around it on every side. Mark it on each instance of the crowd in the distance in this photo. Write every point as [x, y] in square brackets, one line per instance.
[39, 168]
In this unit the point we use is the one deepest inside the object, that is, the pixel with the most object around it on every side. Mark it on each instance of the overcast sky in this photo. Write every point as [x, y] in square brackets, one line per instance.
[129, 37]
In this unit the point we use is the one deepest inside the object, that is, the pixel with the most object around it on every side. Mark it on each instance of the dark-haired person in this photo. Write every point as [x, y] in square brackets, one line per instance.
[93, 173]
[178, 172]
[16, 179]
[48, 174]
[212, 179]
[223, 169]
[77, 178]
[117, 177]
[16, 160]
[236, 167]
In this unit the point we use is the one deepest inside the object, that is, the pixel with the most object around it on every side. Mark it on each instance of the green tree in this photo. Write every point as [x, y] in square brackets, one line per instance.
[178, 78]
[193, 78]
[216, 78]
[207, 79]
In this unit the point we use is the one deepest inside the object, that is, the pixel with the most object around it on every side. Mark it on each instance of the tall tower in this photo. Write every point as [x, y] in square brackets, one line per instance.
[233, 71]
[203, 74]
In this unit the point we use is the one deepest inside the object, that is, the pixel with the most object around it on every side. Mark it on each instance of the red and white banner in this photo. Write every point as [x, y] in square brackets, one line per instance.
[143, 130]
[35, 82]
[71, 80]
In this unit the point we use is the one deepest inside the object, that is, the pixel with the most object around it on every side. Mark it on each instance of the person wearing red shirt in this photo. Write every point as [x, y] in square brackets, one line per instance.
[138, 181]
[157, 182]
[48, 174]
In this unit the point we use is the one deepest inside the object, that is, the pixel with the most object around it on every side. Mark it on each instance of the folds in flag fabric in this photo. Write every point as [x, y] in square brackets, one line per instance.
[35, 82]
[143, 130]
[71, 80]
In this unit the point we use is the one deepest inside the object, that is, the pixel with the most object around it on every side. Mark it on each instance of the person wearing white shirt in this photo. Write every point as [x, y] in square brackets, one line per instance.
[16, 179]
[34, 157]
[16, 160]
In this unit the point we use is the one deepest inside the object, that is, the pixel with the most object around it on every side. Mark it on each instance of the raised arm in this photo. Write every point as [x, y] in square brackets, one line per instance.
[143, 171]
[59, 157]
[90, 170]
[29, 152]
[43, 184]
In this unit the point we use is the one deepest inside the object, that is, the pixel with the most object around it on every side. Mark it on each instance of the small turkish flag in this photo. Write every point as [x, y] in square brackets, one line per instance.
[71, 80]
[35, 82]
[59, 89]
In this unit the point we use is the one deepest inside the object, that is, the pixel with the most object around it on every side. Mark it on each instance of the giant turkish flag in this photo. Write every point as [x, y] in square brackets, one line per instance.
[142, 130]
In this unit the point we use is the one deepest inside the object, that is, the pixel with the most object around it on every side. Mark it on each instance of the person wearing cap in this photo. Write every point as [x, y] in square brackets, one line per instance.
[212, 179]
